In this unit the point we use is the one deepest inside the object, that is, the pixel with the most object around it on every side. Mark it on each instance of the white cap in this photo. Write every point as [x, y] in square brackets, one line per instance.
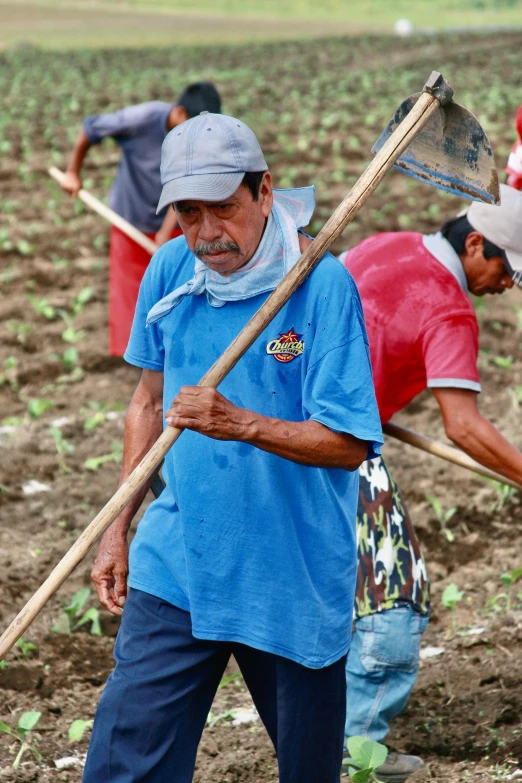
[502, 225]
[205, 159]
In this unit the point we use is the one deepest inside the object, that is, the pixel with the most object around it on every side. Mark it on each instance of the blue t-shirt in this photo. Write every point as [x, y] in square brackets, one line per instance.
[259, 549]
[139, 130]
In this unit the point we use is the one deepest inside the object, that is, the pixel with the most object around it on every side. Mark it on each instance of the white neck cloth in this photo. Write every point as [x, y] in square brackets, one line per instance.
[276, 254]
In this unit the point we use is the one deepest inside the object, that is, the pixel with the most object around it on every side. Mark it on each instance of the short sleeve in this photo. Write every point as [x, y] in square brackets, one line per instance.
[450, 349]
[339, 393]
[145, 348]
[123, 122]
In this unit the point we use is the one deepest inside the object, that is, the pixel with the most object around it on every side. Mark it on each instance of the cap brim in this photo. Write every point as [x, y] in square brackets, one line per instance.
[200, 187]
[515, 264]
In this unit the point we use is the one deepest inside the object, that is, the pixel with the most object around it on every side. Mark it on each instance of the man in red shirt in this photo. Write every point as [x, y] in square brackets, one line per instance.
[423, 332]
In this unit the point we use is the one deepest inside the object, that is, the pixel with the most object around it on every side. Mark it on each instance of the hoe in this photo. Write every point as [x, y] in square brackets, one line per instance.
[430, 138]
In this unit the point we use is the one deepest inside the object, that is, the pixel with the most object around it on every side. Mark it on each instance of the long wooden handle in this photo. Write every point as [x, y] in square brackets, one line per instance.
[445, 452]
[383, 161]
[109, 214]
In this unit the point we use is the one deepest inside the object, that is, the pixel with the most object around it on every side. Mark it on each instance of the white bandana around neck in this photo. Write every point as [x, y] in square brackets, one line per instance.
[277, 253]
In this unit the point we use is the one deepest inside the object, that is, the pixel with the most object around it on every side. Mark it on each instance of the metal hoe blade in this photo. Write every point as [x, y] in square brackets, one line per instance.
[452, 152]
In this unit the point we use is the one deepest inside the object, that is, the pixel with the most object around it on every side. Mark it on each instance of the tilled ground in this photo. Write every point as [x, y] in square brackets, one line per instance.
[465, 714]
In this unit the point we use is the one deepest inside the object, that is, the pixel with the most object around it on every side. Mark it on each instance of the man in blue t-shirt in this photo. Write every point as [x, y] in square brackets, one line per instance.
[250, 550]
[139, 131]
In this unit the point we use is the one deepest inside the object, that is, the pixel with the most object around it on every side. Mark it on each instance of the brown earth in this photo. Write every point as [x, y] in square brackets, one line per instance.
[465, 713]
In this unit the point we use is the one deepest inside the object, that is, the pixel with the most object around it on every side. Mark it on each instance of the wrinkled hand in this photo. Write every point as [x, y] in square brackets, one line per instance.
[208, 412]
[71, 183]
[110, 571]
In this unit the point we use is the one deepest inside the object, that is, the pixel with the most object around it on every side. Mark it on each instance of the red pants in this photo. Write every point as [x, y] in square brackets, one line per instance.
[127, 264]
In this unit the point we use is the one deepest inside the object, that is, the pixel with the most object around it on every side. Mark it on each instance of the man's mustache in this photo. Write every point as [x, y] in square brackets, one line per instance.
[208, 248]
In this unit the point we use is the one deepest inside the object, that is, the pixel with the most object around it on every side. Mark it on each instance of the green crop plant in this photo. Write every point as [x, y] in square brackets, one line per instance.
[506, 362]
[96, 413]
[81, 299]
[509, 579]
[366, 756]
[443, 516]
[26, 648]
[504, 493]
[8, 375]
[22, 733]
[515, 394]
[22, 330]
[78, 728]
[73, 617]
[67, 359]
[70, 334]
[42, 307]
[94, 463]
[37, 407]
[62, 447]
[450, 598]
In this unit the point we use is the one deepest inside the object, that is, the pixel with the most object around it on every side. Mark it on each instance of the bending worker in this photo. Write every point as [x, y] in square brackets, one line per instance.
[139, 131]
[250, 549]
[423, 332]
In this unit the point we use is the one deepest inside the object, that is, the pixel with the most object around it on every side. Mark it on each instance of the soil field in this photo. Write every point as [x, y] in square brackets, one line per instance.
[317, 108]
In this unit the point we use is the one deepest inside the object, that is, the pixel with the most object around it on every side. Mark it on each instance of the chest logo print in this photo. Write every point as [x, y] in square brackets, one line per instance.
[286, 347]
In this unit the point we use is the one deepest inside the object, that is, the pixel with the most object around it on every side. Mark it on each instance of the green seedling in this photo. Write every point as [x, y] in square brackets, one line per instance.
[9, 376]
[443, 516]
[78, 728]
[26, 724]
[70, 334]
[509, 579]
[96, 413]
[67, 359]
[37, 408]
[42, 307]
[81, 299]
[515, 393]
[212, 720]
[504, 492]
[21, 330]
[450, 598]
[506, 362]
[73, 616]
[229, 678]
[24, 248]
[8, 274]
[366, 756]
[62, 447]
[94, 463]
[26, 648]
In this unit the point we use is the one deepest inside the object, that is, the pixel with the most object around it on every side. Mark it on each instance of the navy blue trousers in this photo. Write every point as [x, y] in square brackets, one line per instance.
[153, 709]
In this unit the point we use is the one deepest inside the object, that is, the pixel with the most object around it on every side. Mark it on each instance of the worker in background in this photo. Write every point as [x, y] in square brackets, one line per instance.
[423, 332]
[139, 131]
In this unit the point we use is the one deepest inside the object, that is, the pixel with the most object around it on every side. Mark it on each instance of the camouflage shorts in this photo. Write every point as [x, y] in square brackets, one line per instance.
[391, 568]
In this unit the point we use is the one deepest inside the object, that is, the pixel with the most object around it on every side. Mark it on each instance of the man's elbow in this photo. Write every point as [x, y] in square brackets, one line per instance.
[458, 430]
[356, 453]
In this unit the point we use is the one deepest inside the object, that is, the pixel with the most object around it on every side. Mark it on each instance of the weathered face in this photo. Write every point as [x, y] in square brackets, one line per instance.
[225, 234]
[484, 275]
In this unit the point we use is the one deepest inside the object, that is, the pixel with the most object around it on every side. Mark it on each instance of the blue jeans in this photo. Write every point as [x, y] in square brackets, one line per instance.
[156, 701]
[381, 669]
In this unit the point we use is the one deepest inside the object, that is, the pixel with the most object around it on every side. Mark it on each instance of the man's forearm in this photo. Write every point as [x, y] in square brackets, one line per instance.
[79, 152]
[143, 427]
[306, 442]
[482, 441]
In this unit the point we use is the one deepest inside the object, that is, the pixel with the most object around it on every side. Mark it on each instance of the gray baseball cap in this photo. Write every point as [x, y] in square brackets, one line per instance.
[205, 159]
[502, 225]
